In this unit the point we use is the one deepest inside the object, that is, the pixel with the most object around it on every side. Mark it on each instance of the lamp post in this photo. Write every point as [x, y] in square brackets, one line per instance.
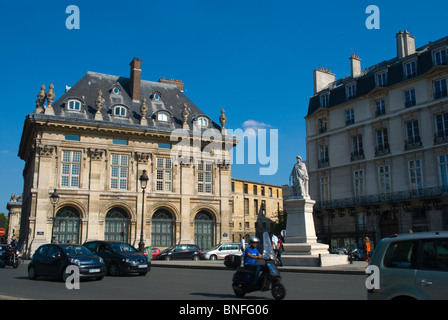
[54, 198]
[143, 183]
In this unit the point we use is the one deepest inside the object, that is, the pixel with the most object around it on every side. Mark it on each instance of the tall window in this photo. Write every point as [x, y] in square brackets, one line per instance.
[409, 98]
[205, 177]
[164, 174]
[412, 134]
[382, 142]
[440, 89]
[384, 180]
[349, 117]
[71, 166]
[325, 100]
[324, 188]
[358, 183]
[415, 176]
[441, 126]
[443, 168]
[119, 168]
[380, 107]
[357, 150]
[323, 155]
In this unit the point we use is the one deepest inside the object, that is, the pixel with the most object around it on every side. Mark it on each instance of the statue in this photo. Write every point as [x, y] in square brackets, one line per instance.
[299, 175]
[143, 111]
[99, 102]
[185, 114]
[223, 120]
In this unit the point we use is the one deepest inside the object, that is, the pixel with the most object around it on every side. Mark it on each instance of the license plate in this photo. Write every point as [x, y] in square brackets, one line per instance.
[143, 266]
[94, 270]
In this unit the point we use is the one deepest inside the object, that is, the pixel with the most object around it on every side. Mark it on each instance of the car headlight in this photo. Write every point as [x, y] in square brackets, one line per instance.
[75, 261]
[101, 260]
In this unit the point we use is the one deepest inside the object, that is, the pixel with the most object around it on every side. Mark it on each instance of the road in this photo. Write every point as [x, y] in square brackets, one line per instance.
[179, 284]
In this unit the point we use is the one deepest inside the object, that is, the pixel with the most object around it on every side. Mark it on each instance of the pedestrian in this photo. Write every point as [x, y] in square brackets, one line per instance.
[280, 250]
[366, 249]
[274, 241]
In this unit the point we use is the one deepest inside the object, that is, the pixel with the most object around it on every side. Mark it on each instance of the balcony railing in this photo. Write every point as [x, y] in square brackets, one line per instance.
[439, 94]
[412, 142]
[382, 149]
[357, 155]
[400, 196]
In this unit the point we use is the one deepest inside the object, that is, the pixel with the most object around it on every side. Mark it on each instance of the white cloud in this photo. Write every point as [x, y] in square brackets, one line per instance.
[254, 124]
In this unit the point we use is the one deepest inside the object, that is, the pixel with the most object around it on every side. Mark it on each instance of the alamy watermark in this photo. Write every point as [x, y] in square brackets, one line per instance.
[373, 279]
[72, 278]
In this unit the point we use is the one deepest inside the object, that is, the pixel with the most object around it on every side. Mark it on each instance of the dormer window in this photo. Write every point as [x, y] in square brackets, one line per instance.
[120, 111]
[74, 105]
[440, 57]
[350, 91]
[410, 69]
[381, 79]
[325, 100]
[203, 122]
[162, 116]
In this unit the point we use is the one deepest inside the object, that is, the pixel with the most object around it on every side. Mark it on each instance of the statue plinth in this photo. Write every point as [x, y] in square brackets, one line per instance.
[301, 247]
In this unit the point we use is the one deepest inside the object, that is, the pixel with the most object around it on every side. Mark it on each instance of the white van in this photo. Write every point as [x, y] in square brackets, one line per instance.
[222, 250]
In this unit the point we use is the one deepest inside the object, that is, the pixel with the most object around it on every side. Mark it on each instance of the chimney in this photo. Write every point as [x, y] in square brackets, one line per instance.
[179, 84]
[405, 44]
[355, 66]
[135, 79]
[322, 78]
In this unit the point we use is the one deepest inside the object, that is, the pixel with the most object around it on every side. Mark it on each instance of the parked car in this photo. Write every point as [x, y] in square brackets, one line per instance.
[181, 251]
[53, 259]
[411, 266]
[120, 257]
[222, 250]
[154, 252]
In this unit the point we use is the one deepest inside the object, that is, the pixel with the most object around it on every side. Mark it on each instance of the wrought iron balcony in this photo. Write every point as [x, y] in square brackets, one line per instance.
[400, 196]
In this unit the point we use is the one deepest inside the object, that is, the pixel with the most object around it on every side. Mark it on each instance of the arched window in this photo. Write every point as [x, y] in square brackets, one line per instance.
[120, 111]
[117, 225]
[66, 225]
[162, 229]
[162, 116]
[74, 105]
[204, 230]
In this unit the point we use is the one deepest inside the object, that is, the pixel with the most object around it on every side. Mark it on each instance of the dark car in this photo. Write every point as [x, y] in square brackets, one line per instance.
[53, 259]
[181, 251]
[120, 257]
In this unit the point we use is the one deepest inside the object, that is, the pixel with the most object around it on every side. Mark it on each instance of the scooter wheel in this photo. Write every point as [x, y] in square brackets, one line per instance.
[239, 292]
[278, 290]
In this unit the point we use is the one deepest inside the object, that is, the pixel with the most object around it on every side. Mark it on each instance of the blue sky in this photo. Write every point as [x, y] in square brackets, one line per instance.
[255, 59]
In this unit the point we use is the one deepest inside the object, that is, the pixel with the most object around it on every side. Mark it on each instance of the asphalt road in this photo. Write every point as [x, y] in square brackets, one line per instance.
[179, 284]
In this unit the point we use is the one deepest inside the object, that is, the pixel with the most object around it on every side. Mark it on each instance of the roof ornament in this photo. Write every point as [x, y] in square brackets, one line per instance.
[185, 114]
[223, 120]
[99, 103]
[50, 98]
[40, 102]
[143, 110]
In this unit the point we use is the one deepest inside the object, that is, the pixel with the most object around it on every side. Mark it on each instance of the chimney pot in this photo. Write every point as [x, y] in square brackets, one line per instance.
[355, 66]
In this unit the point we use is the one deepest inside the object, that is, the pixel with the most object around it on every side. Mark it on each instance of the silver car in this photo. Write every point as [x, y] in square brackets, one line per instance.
[222, 250]
[410, 266]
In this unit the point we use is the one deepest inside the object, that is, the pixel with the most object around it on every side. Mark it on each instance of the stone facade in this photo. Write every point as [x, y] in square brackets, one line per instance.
[92, 153]
[255, 208]
[377, 146]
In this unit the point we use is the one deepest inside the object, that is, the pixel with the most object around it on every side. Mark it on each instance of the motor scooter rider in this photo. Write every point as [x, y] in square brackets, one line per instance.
[250, 255]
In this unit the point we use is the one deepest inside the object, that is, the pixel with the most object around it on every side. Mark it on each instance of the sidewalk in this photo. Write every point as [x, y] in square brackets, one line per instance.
[357, 267]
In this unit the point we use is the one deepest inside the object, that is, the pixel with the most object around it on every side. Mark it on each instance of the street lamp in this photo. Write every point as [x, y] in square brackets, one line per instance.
[54, 198]
[143, 183]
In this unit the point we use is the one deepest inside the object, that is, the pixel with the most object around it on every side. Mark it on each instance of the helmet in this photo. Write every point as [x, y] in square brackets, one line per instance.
[254, 239]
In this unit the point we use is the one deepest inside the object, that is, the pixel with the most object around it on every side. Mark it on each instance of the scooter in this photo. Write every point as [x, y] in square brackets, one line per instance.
[10, 258]
[269, 275]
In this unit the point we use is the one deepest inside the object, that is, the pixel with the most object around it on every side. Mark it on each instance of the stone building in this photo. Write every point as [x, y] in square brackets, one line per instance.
[377, 145]
[90, 147]
[255, 208]
[14, 207]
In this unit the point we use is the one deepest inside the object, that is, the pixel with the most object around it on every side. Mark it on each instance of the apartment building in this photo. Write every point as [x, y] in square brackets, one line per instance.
[377, 145]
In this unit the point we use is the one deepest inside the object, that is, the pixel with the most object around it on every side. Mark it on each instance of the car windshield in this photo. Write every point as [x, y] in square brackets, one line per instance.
[72, 250]
[215, 247]
[122, 247]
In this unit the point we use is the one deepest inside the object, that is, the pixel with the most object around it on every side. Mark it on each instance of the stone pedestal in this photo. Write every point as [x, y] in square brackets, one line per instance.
[301, 247]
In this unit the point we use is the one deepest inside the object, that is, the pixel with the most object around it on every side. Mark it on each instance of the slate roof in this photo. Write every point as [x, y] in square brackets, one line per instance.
[365, 83]
[171, 100]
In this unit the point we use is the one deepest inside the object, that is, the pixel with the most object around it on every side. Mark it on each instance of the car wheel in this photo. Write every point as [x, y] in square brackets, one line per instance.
[142, 273]
[196, 258]
[213, 257]
[114, 270]
[32, 273]
[167, 258]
